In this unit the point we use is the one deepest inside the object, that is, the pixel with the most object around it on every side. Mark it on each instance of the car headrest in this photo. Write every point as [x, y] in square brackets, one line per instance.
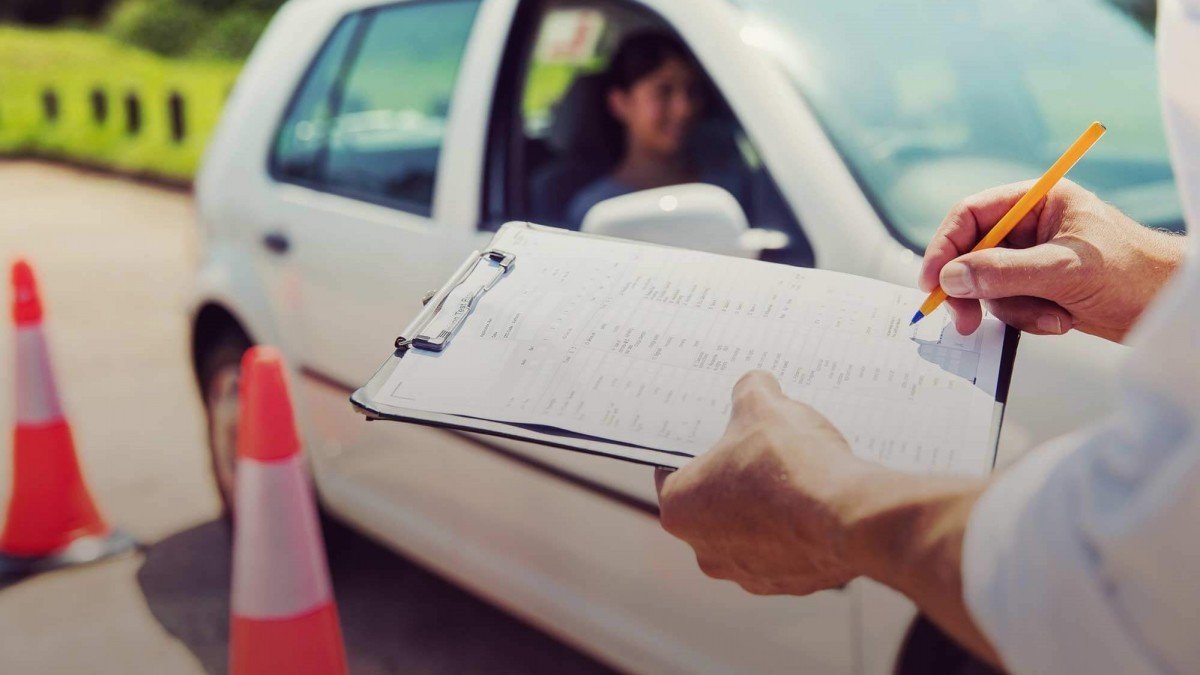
[580, 122]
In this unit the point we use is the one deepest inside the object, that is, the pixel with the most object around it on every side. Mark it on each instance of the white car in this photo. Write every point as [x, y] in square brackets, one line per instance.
[368, 147]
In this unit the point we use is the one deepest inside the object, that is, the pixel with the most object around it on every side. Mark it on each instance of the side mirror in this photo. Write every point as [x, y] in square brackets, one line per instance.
[695, 215]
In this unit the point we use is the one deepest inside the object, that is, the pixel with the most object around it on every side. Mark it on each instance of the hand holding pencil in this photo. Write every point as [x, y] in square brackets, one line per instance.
[1023, 206]
[1070, 261]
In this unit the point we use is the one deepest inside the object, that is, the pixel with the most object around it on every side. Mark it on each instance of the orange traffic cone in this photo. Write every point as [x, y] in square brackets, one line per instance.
[284, 618]
[52, 520]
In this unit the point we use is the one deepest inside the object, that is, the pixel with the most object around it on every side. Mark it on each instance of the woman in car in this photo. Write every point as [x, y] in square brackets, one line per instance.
[654, 92]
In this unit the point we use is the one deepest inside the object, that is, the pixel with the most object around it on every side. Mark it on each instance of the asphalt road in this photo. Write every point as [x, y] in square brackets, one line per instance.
[114, 259]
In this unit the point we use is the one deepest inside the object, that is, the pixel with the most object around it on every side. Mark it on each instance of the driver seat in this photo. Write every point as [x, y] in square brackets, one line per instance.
[585, 140]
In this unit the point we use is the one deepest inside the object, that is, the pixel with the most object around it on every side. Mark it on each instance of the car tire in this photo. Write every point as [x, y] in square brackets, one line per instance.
[219, 367]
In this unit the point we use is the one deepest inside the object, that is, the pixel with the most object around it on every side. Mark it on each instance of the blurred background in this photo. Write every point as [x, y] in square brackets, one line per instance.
[135, 86]
[159, 264]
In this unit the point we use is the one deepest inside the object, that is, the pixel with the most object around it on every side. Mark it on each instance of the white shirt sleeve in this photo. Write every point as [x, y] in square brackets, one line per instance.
[1084, 557]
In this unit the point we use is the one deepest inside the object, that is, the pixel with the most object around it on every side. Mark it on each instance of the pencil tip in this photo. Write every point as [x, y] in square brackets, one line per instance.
[917, 317]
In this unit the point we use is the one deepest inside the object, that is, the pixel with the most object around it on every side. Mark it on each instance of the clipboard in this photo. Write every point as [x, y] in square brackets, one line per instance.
[433, 329]
[448, 308]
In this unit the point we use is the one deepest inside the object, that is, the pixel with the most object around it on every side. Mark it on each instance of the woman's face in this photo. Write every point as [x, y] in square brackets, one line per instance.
[658, 111]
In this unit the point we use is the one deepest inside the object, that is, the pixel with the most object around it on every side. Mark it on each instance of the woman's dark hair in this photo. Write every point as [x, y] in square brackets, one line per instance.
[643, 53]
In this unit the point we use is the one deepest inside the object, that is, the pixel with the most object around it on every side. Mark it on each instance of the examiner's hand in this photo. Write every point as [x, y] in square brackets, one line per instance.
[781, 506]
[1073, 262]
[762, 507]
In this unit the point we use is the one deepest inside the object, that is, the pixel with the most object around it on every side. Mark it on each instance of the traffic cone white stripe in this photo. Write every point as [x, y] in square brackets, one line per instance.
[280, 570]
[37, 402]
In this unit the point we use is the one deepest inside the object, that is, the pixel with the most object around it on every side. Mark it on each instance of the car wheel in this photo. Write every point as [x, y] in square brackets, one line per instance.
[219, 368]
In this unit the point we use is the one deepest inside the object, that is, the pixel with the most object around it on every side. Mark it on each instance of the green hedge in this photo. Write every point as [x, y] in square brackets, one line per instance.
[70, 66]
[204, 28]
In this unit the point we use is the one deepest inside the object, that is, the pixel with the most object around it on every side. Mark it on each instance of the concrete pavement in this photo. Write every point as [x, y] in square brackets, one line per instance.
[114, 259]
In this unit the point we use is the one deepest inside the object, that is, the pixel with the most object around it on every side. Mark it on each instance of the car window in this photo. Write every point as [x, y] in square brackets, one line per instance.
[380, 128]
[302, 135]
[563, 140]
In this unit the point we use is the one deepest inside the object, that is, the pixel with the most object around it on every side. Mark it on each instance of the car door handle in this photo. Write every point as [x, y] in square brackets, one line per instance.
[277, 242]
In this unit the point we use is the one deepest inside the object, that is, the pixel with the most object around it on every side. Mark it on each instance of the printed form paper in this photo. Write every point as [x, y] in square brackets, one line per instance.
[643, 345]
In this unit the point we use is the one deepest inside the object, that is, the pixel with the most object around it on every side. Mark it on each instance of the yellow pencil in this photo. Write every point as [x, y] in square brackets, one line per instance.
[1023, 206]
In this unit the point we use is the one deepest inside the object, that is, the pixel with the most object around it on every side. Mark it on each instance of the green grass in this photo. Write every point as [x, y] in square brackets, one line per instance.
[72, 64]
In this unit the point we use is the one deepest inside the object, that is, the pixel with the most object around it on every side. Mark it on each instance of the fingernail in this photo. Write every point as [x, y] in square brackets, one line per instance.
[1050, 323]
[956, 279]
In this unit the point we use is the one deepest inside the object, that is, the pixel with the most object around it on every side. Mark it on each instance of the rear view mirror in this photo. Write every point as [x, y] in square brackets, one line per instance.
[695, 215]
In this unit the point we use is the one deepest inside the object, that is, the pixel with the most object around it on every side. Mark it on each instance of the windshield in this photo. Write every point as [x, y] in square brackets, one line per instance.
[930, 101]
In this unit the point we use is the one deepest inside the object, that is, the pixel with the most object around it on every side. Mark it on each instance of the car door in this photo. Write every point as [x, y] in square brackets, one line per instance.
[359, 183]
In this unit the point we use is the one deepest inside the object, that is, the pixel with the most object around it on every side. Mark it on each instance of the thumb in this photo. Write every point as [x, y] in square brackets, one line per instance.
[1039, 271]
[661, 474]
[753, 394]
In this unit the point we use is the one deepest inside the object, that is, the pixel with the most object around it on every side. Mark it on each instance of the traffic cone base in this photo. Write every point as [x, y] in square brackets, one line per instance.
[52, 521]
[50, 506]
[84, 550]
[288, 645]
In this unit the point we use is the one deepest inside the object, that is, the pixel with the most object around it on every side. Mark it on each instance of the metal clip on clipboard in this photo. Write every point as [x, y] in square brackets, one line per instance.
[435, 330]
